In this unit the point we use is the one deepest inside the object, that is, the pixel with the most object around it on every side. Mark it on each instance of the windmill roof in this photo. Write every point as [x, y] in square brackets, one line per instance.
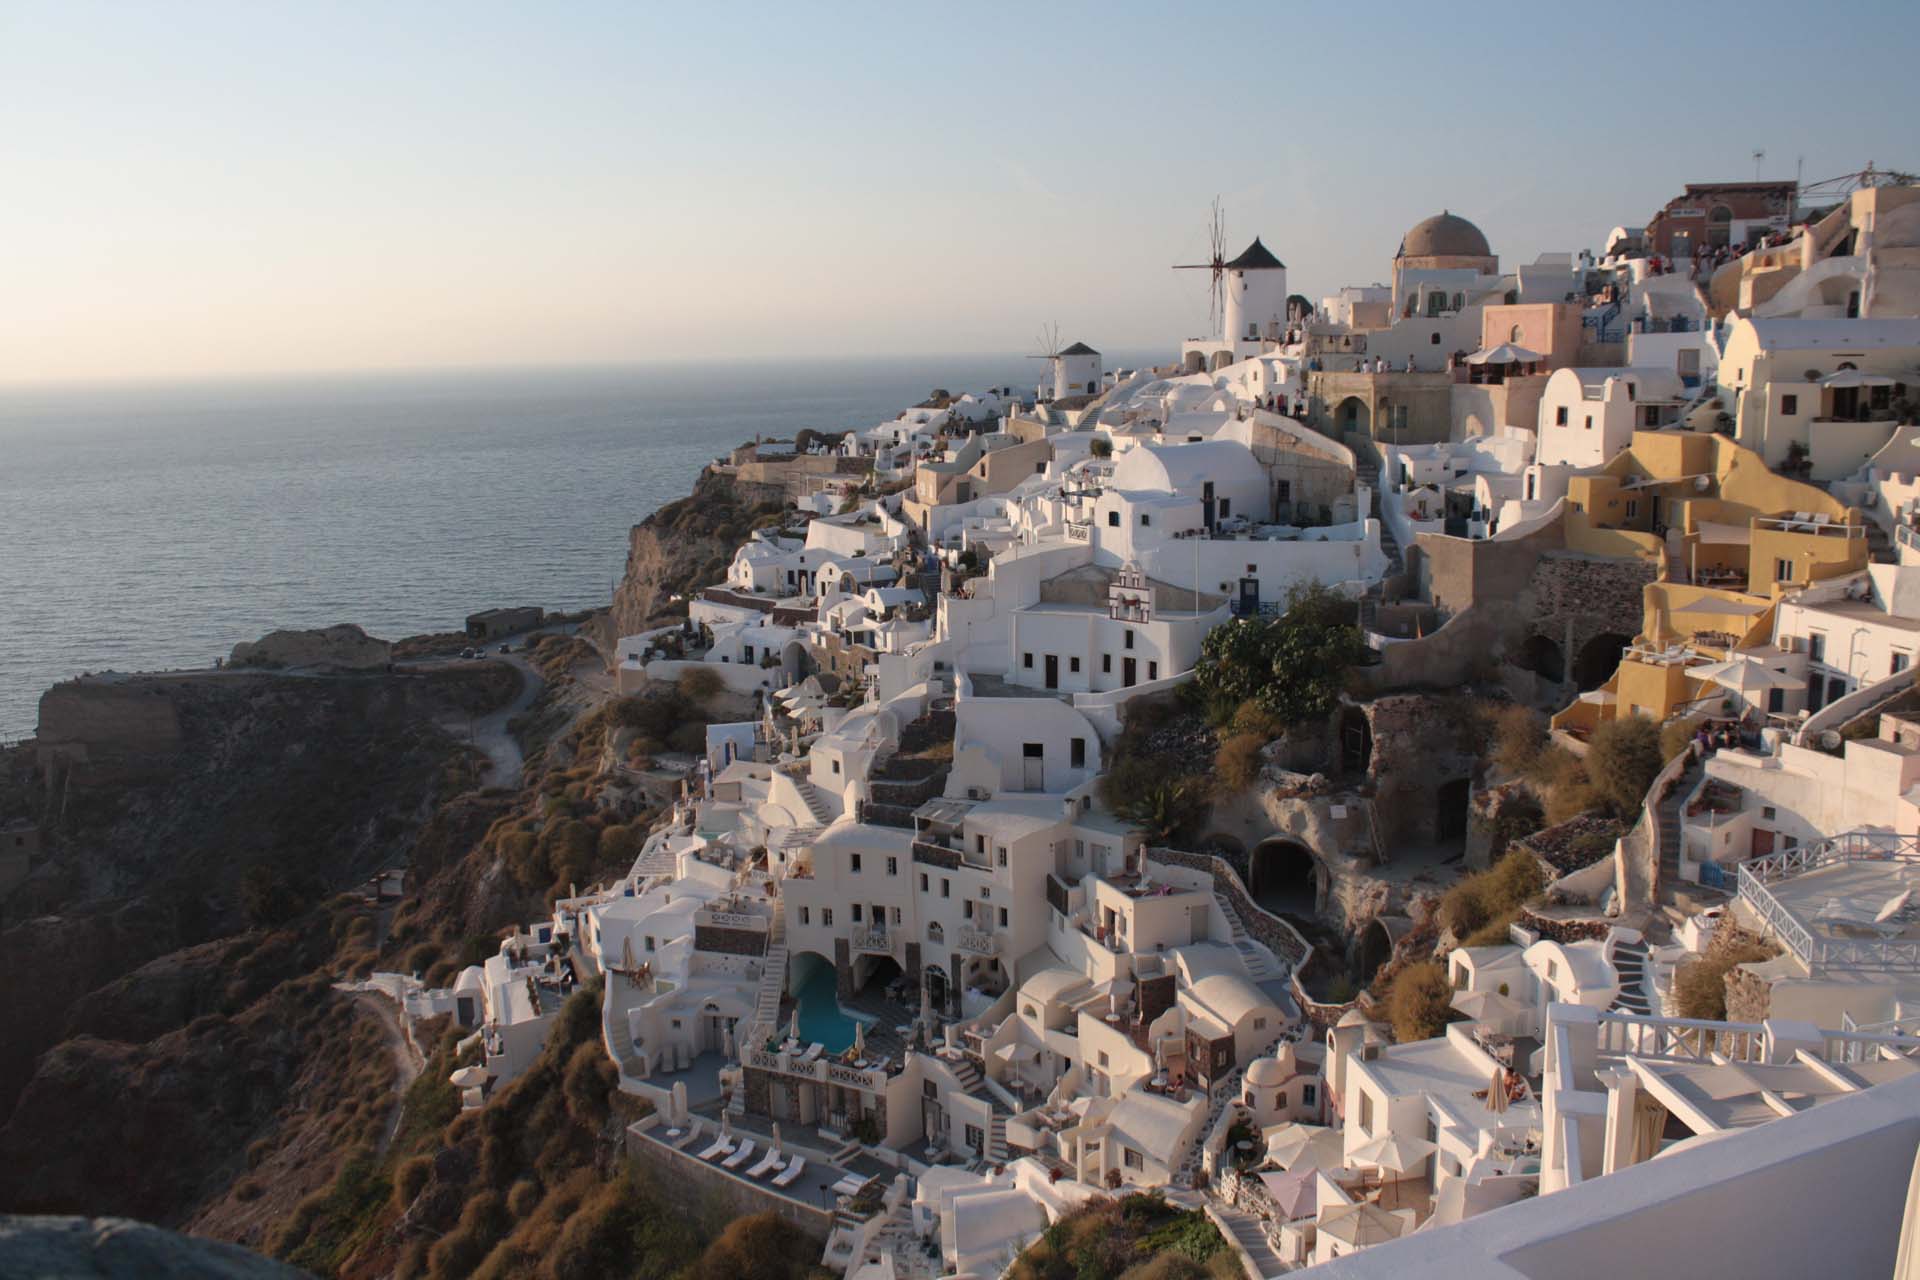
[1256, 257]
[1079, 349]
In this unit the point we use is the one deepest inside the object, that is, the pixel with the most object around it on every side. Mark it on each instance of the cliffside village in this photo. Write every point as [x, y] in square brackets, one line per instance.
[893, 967]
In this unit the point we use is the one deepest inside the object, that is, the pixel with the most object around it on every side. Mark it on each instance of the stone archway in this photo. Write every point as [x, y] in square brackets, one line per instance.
[1284, 877]
[1195, 362]
[1540, 655]
[1352, 414]
[1375, 948]
[1597, 659]
[1451, 804]
[1221, 359]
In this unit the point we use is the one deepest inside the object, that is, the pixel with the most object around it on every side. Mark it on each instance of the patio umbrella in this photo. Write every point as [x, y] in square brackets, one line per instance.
[1490, 1006]
[1311, 1147]
[1361, 1225]
[470, 1077]
[626, 956]
[793, 1024]
[859, 1039]
[1497, 1091]
[1399, 1155]
[776, 1135]
[1741, 674]
[1295, 1193]
[1855, 378]
[1505, 353]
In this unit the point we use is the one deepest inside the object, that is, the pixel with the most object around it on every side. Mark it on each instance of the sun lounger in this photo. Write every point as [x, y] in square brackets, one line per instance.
[786, 1176]
[739, 1157]
[721, 1146]
[814, 1050]
[691, 1135]
[768, 1163]
[849, 1185]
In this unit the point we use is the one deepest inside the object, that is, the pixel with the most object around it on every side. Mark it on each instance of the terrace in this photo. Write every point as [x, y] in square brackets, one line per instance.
[1844, 904]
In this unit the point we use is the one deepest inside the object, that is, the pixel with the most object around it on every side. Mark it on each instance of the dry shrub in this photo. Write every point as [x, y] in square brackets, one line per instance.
[1700, 987]
[1237, 763]
[698, 683]
[1478, 909]
[1420, 1003]
[1519, 738]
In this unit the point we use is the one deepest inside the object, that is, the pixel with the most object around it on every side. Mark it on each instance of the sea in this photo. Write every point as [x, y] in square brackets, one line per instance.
[153, 526]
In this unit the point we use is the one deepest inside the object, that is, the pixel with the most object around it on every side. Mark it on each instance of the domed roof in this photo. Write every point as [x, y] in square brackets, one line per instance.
[1266, 1073]
[1445, 235]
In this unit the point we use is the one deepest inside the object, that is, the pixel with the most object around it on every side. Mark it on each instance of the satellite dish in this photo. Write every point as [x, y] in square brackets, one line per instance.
[1830, 739]
[1701, 484]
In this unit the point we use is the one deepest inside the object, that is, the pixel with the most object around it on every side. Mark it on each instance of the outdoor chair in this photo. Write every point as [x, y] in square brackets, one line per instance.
[739, 1157]
[768, 1163]
[786, 1176]
[721, 1146]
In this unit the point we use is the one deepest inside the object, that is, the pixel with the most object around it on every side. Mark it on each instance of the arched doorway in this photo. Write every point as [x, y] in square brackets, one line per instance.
[1542, 657]
[937, 987]
[1451, 802]
[1284, 877]
[1352, 414]
[1195, 362]
[874, 974]
[1376, 948]
[1356, 741]
[1597, 659]
[1221, 359]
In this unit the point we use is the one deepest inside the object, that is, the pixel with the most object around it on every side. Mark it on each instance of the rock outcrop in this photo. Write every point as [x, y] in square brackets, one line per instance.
[341, 647]
[687, 543]
[120, 1249]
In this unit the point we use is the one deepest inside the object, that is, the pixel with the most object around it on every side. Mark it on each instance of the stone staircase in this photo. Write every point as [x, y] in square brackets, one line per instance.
[1668, 830]
[1251, 1235]
[997, 1134]
[1630, 961]
[1259, 962]
[816, 804]
[660, 862]
[967, 1074]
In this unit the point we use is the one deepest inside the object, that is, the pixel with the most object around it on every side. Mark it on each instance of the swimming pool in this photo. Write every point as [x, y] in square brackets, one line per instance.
[821, 1018]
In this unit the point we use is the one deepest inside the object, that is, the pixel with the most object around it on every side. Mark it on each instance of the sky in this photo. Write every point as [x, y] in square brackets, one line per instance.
[211, 188]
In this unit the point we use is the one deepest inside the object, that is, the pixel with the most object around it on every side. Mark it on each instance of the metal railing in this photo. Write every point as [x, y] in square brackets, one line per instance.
[1883, 954]
[979, 942]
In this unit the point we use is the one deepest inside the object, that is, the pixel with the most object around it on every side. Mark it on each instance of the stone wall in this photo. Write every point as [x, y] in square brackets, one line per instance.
[1418, 749]
[730, 942]
[696, 1188]
[1564, 930]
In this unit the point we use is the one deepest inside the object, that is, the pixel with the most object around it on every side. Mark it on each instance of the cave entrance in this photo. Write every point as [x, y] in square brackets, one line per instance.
[1450, 810]
[1356, 741]
[1284, 878]
[1597, 659]
[1376, 948]
[1542, 657]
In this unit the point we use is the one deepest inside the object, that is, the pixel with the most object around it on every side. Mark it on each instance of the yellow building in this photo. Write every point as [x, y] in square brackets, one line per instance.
[1730, 537]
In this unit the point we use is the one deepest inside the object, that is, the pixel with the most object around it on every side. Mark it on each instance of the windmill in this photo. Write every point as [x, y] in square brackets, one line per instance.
[1217, 242]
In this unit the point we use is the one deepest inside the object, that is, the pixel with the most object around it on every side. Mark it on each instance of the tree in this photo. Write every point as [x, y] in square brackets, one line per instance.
[1623, 761]
[1421, 1002]
[1100, 447]
[1293, 666]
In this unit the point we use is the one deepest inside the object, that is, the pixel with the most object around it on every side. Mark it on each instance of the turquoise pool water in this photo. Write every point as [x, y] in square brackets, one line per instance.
[821, 1018]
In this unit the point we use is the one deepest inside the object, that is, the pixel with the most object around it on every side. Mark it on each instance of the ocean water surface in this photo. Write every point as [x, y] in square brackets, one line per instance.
[145, 527]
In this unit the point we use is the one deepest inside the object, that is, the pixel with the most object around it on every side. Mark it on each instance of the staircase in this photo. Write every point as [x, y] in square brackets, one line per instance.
[1630, 961]
[1251, 1236]
[773, 981]
[1668, 831]
[1366, 471]
[659, 862]
[1259, 962]
[997, 1135]
[967, 1074]
[816, 805]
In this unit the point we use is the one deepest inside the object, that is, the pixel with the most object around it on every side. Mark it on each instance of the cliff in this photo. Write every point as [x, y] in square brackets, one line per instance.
[687, 544]
[115, 1249]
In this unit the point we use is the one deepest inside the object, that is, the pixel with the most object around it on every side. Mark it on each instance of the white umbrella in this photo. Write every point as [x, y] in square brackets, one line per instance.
[859, 1039]
[1855, 378]
[1741, 674]
[776, 1135]
[1497, 1091]
[1490, 1006]
[1309, 1146]
[470, 1077]
[1399, 1155]
[793, 1024]
[1505, 353]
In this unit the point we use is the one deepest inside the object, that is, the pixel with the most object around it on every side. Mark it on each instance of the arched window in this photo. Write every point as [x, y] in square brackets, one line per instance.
[935, 933]
[1513, 335]
[1459, 301]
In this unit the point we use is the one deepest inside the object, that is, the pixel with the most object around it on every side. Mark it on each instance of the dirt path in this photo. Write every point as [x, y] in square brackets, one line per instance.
[407, 1063]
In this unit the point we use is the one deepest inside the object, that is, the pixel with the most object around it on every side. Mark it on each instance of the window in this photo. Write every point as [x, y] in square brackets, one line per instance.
[836, 766]
[1767, 812]
[929, 1090]
[1226, 507]
[1560, 416]
[1128, 642]
[1783, 570]
[1113, 519]
[1816, 640]
[856, 913]
[1259, 1024]
[1630, 391]
[1002, 851]
[1899, 663]
[976, 1140]
[1077, 748]
[1153, 670]
[966, 909]
[923, 882]
[1633, 507]
[1103, 1058]
[1589, 422]
[946, 887]
[1366, 1114]
[896, 915]
[1789, 404]
[804, 919]
[1133, 1158]
[1433, 340]
[979, 842]
[1280, 1099]
[893, 866]
[1073, 664]
[1306, 1095]
[853, 863]
[1145, 519]
[826, 917]
[1106, 664]
[1026, 660]
[1513, 335]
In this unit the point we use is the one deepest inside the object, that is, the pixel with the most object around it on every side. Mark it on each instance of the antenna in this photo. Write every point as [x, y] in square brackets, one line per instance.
[1217, 242]
[1759, 154]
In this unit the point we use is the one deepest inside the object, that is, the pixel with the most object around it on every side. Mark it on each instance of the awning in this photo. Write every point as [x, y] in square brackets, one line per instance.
[1735, 534]
[1855, 378]
[1708, 606]
[1505, 353]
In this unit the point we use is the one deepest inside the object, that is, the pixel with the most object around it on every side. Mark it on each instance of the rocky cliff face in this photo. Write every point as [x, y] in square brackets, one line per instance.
[688, 544]
[342, 647]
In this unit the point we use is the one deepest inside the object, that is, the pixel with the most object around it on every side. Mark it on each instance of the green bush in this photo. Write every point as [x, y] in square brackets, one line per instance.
[1293, 666]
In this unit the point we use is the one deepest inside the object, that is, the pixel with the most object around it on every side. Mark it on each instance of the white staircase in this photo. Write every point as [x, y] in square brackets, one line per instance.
[1630, 961]
[1251, 1236]
[1259, 961]
[997, 1137]
[816, 804]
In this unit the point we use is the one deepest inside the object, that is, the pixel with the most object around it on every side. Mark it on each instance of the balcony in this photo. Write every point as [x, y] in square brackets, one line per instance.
[873, 941]
[1079, 531]
[977, 942]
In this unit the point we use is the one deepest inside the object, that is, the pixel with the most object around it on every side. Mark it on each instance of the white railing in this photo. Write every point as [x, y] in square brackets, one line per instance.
[1681, 1039]
[873, 940]
[1079, 531]
[1895, 955]
[979, 942]
[1867, 1043]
